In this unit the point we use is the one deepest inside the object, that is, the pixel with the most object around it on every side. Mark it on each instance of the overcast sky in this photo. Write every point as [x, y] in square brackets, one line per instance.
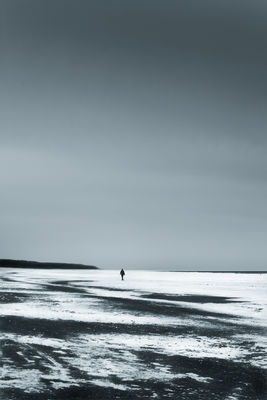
[133, 132]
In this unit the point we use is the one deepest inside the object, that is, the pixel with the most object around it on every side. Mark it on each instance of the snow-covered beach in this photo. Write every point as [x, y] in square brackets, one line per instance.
[154, 335]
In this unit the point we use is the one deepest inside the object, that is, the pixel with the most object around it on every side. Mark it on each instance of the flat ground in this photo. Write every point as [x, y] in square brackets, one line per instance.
[89, 336]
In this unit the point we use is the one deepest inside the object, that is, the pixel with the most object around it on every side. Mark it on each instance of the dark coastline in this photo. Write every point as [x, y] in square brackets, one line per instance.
[6, 263]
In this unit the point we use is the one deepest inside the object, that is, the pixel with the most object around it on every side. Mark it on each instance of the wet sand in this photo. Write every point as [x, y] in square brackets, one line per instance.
[199, 354]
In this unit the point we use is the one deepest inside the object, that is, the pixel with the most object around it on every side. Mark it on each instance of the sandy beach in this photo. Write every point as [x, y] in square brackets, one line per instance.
[156, 335]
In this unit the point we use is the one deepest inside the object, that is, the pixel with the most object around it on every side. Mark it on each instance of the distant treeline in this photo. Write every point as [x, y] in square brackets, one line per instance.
[48, 265]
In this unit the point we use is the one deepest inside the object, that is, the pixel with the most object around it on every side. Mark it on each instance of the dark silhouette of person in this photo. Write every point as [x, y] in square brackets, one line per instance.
[122, 273]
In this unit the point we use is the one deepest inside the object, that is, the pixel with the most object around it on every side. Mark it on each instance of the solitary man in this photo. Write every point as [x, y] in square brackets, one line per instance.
[122, 273]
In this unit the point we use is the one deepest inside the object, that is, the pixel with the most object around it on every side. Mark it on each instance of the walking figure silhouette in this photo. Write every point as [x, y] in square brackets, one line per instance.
[122, 273]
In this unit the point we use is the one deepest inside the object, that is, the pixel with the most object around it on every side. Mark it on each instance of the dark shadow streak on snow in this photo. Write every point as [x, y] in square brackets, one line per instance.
[192, 298]
[62, 329]
[144, 307]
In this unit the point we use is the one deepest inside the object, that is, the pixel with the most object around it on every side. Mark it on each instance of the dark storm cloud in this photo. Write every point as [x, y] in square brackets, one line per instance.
[134, 132]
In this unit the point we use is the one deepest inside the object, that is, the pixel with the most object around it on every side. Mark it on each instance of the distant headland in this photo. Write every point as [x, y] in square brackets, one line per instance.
[6, 263]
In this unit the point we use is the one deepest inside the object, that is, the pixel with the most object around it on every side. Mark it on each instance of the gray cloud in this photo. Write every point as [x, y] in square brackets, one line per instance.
[134, 132]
